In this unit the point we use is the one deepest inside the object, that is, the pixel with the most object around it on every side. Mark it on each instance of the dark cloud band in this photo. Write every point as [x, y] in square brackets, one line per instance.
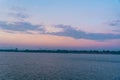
[68, 31]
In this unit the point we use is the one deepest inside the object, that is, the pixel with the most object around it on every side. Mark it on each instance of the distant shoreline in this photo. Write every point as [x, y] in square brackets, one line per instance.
[62, 51]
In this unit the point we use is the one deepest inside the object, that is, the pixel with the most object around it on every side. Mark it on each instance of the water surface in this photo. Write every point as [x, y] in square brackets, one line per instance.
[54, 66]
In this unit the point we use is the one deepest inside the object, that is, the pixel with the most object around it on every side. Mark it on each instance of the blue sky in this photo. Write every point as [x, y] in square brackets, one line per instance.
[96, 20]
[79, 13]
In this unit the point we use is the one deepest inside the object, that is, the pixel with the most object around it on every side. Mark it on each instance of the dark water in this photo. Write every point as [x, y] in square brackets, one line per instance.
[48, 66]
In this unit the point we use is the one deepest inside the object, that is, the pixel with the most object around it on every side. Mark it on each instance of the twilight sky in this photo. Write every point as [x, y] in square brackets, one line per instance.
[60, 24]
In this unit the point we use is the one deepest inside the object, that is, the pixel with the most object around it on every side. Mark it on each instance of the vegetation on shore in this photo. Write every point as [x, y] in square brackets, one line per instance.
[62, 51]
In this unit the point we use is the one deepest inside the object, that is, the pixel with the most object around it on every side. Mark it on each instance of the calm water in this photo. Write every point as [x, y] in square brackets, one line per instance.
[48, 66]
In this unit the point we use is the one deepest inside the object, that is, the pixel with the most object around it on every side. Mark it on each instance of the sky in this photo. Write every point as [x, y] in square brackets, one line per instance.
[60, 24]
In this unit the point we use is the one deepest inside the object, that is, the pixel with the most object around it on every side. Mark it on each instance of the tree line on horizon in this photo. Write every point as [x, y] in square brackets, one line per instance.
[62, 51]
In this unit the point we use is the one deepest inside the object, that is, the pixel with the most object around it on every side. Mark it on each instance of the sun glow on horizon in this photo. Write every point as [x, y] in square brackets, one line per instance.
[64, 24]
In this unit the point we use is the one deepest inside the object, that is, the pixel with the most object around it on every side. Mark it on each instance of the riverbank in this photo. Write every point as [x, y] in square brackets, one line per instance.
[62, 51]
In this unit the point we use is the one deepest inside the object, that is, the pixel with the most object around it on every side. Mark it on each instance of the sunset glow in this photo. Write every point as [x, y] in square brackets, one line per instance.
[63, 24]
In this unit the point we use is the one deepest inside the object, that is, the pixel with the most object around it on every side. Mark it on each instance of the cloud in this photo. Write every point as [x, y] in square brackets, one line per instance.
[18, 13]
[20, 27]
[77, 34]
[116, 30]
[61, 30]
[115, 23]
[52, 29]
